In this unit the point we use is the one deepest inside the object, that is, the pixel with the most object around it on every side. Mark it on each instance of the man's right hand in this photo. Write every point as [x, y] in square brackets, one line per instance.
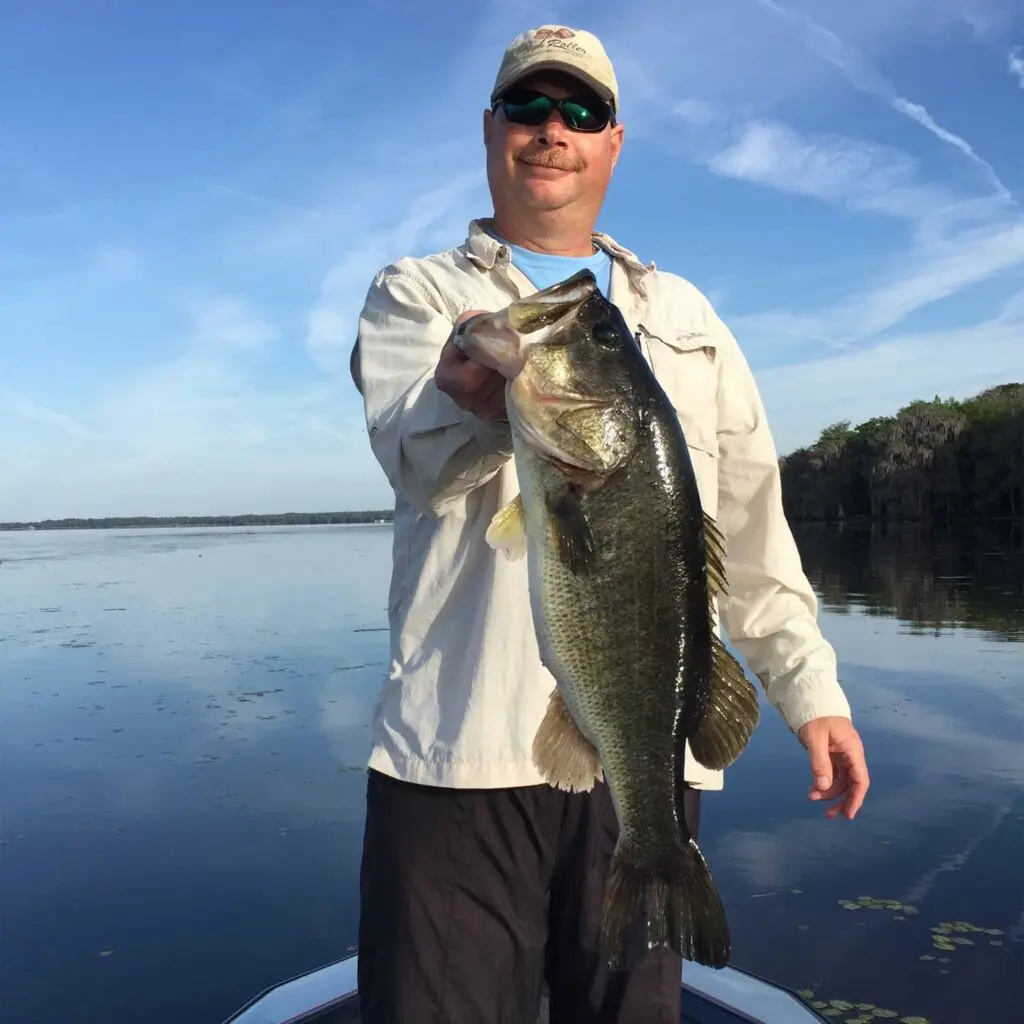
[475, 388]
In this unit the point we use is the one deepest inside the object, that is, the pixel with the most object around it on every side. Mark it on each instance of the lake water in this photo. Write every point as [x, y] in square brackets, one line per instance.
[183, 727]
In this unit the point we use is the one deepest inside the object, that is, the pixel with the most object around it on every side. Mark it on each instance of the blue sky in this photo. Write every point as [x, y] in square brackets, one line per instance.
[194, 197]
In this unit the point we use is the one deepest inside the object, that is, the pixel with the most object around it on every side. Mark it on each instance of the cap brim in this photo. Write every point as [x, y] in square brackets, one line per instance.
[556, 65]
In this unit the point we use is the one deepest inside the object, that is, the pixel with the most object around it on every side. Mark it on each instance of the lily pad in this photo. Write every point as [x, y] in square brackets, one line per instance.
[841, 1004]
[885, 1014]
[914, 1020]
[805, 993]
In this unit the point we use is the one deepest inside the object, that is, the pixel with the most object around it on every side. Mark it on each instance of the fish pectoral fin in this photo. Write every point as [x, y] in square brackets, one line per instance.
[714, 544]
[562, 754]
[731, 715]
[572, 533]
[507, 530]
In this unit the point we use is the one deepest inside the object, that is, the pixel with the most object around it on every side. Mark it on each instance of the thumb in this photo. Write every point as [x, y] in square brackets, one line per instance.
[821, 763]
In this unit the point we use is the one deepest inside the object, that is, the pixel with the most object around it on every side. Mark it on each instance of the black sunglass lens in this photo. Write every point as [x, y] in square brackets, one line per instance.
[527, 107]
[581, 116]
[534, 108]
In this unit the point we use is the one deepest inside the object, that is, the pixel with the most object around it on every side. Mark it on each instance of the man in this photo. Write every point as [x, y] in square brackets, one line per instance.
[479, 882]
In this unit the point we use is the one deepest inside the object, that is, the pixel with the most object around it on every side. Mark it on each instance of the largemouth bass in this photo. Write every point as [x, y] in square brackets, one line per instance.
[623, 566]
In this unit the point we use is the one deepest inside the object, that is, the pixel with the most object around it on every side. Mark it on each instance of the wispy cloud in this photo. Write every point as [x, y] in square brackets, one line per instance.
[857, 384]
[829, 47]
[227, 322]
[856, 173]
[438, 214]
[19, 405]
[1015, 63]
[809, 344]
[274, 240]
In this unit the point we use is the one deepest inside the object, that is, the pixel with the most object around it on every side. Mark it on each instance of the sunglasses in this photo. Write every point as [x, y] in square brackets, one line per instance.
[526, 106]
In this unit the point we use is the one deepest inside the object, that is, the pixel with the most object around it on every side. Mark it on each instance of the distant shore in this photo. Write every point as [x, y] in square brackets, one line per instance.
[166, 522]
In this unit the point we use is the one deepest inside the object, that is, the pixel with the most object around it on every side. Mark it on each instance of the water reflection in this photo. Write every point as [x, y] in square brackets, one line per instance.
[927, 630]
[184, 720]
[971, 576]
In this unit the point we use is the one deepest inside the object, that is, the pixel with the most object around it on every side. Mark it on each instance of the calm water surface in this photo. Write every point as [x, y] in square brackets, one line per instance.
[184, 722]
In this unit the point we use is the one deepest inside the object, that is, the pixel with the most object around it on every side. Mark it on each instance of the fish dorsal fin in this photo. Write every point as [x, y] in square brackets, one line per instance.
[507, 530]
[714, 544]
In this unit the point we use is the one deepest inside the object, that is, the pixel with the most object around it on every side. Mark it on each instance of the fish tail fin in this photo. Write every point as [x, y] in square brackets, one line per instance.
[561, 753]
[733, 709]
[673, 902]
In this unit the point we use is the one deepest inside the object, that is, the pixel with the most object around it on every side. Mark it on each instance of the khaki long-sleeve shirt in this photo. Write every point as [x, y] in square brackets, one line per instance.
[465, 689]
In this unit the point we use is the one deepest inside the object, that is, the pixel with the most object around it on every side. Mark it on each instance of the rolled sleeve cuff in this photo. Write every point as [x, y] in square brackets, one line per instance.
[812, 697]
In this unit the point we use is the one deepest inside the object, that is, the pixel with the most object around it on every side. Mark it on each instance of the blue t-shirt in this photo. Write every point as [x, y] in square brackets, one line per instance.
[544, 269]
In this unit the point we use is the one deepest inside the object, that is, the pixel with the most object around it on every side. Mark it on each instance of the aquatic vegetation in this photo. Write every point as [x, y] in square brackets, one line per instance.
[855, 1013]
[947, 937]
[874, 903]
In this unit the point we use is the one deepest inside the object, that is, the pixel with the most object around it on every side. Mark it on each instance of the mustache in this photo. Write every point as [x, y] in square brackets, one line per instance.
[560, 160]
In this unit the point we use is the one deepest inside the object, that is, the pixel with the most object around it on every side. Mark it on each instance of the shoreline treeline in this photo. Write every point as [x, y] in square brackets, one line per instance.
[942, 460]
[163, 522]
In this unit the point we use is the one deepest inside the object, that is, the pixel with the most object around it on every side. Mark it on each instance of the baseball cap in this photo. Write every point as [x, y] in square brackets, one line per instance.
[557, 47]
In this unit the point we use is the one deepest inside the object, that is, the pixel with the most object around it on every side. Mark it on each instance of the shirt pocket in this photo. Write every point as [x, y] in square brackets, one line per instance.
[685, 363]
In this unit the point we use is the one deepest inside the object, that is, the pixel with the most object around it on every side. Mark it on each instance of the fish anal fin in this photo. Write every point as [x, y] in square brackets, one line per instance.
[562, 754]
[571, 530]
[507, 529]
[731, 713]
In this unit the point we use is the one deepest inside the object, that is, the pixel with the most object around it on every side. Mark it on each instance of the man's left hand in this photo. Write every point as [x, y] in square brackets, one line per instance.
[837, 764]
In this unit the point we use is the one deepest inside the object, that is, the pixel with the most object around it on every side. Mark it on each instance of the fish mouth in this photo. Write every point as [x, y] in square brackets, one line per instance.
[500, 340]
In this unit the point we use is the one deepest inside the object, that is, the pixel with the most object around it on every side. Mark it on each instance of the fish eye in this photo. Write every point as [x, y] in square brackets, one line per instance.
[605, 334]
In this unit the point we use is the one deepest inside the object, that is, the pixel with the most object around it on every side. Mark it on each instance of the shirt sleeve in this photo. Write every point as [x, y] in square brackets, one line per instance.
[770, 610]
[432, 452]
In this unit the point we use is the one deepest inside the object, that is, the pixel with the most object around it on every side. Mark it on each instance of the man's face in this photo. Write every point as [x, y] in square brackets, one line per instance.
[549, 166]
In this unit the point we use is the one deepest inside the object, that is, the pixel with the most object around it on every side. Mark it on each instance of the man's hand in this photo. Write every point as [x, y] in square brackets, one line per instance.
[475, 388]
[837, 764]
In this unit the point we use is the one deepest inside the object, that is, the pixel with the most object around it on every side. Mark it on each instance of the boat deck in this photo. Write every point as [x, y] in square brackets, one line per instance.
[697, 1011]
[329, 996]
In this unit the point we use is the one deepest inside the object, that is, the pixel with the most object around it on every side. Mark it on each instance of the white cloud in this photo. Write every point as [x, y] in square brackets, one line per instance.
[439, 214]
[23, 407]
[1015, 63]
[803, 397]
[829, 47]
[859, 174]
[908, 282]
[209, 428]
[118, 263]
[227, 321]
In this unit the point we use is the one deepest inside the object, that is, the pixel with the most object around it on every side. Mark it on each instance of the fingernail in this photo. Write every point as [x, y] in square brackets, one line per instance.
[821, 782]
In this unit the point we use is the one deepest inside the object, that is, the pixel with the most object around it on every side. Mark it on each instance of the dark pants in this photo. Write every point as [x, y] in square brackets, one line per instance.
[471, 899]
